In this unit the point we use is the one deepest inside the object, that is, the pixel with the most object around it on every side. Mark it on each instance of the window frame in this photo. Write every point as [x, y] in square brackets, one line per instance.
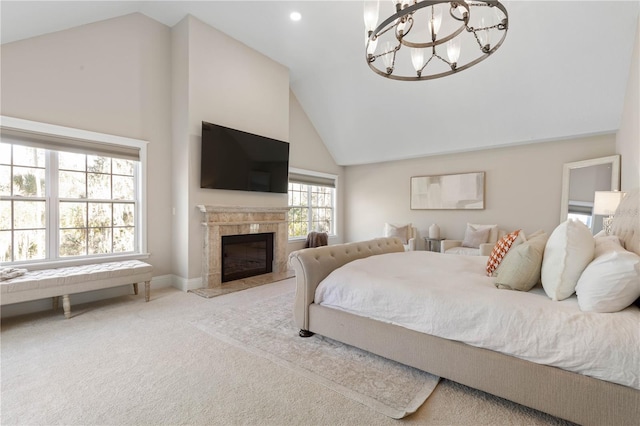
[41, 133]
[319, 177]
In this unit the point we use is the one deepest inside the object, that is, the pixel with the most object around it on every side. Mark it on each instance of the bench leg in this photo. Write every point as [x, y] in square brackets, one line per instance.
[147, 290]
[54, 302]
[135, 288]
[66, 304]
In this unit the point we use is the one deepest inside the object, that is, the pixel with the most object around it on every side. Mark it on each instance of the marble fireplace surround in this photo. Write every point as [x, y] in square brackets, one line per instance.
[224, 220]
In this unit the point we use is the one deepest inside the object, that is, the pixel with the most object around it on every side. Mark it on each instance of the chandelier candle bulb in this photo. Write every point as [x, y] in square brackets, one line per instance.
[371, 15]
[417, 58]
[453, 51]
[388, 57]
[372, 47]
[435, 22]
[484, 37]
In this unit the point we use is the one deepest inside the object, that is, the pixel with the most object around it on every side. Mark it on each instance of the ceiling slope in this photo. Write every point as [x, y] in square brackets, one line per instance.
[561, 72]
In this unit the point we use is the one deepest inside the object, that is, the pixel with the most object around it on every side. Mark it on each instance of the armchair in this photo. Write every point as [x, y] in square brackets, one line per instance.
[407, 233]
[478, 241]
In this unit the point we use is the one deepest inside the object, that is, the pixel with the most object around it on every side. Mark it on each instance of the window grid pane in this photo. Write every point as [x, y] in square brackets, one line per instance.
[29, 244]
[6, 246]
[311, 209]
[28, 181]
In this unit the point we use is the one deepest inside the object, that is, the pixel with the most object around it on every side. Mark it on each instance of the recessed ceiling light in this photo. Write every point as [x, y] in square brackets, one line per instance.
[295, 16]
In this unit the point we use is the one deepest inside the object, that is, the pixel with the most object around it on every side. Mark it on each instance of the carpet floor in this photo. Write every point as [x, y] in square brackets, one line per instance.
[124, 361]
[266, 328]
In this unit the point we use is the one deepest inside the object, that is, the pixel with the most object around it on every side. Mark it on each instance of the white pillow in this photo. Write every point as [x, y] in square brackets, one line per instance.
[610, 283]
[568, 251]
[606, 244]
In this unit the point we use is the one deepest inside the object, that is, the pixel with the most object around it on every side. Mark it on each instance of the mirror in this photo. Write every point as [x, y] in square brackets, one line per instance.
[580, 180]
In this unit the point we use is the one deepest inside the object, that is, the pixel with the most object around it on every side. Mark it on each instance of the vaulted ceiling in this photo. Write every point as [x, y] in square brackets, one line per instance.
[561, 72]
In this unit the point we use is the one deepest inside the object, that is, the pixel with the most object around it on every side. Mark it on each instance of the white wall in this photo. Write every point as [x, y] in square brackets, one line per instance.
[628, 137]
[179, 149]
[522, 188]
[110, 77]
[308, 152]
[226, 83]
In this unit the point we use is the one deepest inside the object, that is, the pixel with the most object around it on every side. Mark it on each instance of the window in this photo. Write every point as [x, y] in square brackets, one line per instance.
[582, 211]
[69, 199]
[582, 217]
[312, 203]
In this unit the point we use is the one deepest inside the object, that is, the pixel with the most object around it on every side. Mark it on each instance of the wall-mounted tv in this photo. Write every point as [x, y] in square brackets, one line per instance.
[233, 159]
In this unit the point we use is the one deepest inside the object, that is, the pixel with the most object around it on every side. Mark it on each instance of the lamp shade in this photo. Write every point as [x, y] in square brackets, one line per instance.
[606, 202]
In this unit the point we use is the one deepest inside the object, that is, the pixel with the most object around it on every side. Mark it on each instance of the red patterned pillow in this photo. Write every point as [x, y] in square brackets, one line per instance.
[500, 251]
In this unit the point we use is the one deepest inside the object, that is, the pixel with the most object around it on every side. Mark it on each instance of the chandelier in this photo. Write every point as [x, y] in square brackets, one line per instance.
[410, 44]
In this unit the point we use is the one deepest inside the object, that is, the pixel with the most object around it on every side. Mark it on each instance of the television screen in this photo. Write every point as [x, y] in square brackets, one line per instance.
[233, 159]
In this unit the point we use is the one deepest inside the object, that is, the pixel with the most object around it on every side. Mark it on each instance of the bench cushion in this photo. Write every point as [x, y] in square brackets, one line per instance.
[74, 279]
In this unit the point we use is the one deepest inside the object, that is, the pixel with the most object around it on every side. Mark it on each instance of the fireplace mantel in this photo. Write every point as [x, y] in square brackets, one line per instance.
[238, 220]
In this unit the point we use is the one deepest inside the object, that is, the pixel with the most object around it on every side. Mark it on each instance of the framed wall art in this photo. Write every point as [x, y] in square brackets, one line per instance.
[464, 191]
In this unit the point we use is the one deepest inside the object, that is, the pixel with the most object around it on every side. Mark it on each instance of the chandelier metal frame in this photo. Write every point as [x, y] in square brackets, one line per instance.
[459, 10]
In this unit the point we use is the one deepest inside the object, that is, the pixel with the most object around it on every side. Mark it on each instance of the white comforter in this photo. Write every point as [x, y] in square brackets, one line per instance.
[450, 296]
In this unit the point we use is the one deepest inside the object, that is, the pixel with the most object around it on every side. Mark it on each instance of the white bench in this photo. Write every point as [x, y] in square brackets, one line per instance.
[34, 285]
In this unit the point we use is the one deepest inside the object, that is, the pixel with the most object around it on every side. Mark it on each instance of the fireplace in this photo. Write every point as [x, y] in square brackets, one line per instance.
[246, 255]
[222, 221]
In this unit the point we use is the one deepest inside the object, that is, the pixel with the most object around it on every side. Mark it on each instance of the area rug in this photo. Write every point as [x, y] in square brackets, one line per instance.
[266, 329]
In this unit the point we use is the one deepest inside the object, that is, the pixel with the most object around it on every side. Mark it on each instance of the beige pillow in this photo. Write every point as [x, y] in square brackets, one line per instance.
[520, 269]
[535, 234]
[501, 248]
[493, 231]
[401, 232]
[568, 251]
[474, 237]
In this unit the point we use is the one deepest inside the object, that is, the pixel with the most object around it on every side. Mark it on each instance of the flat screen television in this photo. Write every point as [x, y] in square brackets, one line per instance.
[237, 160]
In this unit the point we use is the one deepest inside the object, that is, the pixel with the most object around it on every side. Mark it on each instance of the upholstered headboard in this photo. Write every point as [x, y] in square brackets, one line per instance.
[626, 221]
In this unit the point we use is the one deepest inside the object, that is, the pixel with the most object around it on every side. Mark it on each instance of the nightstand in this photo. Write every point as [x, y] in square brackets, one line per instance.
[432, 244]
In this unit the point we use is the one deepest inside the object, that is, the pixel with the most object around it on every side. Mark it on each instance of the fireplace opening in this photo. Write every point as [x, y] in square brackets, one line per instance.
[246, 255]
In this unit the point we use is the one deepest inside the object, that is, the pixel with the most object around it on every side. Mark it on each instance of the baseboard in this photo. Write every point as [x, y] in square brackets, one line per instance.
[186, 284]
[162, 281]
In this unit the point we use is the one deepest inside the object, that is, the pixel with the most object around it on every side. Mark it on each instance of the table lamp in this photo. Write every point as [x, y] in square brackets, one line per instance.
[605, 203]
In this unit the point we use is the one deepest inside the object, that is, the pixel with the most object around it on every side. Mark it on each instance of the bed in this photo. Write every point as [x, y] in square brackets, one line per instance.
[591, 390]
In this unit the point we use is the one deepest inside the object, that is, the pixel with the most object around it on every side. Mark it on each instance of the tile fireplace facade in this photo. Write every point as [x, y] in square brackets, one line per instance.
[221, 220]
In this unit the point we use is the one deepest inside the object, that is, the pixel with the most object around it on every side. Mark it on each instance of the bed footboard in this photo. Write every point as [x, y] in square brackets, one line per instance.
[312, 265]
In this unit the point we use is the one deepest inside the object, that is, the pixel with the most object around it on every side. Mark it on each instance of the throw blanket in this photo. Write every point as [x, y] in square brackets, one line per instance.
[8, 273]
[316, 239]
